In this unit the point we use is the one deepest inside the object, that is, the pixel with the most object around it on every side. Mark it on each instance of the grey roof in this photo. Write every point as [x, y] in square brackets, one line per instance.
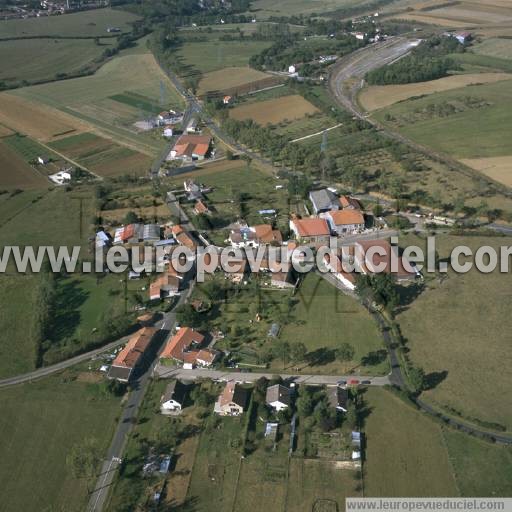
[120, 373]
[239, 396]
[337, 397]
[278, 393]
[324, 200]
[151, 232]
[174, 391]
[274, 330]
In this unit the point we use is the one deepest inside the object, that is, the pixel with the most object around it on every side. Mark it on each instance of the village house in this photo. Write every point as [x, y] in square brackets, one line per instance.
[173, 399]
[343, 222]
[338, 398]
[132, 355]
[310, 230]
[186, 347]
[232, 400]
[137, 233]
[378, 256]
[191, 147]
[183, 237]
[166, 285]
[324, 200]
[278, 397]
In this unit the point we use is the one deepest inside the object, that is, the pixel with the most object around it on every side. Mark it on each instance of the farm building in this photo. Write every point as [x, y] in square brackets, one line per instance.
[191, 147]
[132, 355]
[324, 200]
[232, 400]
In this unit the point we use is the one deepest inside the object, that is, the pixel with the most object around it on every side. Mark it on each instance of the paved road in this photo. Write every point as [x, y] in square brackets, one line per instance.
[108, 471]
[166, 372]
[48, 370]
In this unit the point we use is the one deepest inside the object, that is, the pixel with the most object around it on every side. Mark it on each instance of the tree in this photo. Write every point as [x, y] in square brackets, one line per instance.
[305, 402]
[84, 458]
[345, 352]
[187, 315]
[131, 217]
[417, 379]
[298, 351]
[281, 349]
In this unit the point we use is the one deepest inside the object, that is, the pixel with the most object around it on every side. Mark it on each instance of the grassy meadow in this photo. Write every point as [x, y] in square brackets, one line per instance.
[40, 423]
[458, 329]
[91, 23]
[472, 133]
[33, 60]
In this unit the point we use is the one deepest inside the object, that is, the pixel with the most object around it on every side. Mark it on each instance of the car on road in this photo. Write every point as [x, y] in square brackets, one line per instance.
[341, 382]
[353, 382]
[366, 382]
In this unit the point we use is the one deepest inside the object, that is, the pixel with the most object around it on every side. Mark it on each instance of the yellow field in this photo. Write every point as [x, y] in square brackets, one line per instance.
[275, 110]
[381, 96]
[498, 168]
[38, 121]
[464, 14]
[229, 77]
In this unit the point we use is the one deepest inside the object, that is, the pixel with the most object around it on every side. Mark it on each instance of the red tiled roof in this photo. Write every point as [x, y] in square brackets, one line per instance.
[311, 227]
[346, 217]
[178, 346]
[135, 348]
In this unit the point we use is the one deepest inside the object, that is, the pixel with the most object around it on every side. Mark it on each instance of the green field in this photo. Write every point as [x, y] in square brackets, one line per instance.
[495, 47]
[40, 423]
[82, 24]
[213, 55]
[90, 98]
[32, 60]
[461, 326]
[405, 454]
[473, 133]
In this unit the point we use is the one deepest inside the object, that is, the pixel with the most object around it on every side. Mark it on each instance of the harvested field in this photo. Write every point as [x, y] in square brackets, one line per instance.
[228, 78]
[442, 22]
[16, 173]
[381, 96]
[38, 121]
[276, 110]
[498, 168]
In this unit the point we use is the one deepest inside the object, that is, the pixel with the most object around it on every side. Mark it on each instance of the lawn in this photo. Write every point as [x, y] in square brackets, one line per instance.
[495, 47]
[481, 469]
[405, 450]
[82, 24]
[33, 60]
[235, 80]
[472, 133]
[267, 8]
[40, 423]
[458, 330]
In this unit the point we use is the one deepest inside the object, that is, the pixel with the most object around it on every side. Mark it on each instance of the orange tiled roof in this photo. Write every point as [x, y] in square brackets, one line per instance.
[178, 346]
[135, 348]
[311, 227]
[346, 217]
